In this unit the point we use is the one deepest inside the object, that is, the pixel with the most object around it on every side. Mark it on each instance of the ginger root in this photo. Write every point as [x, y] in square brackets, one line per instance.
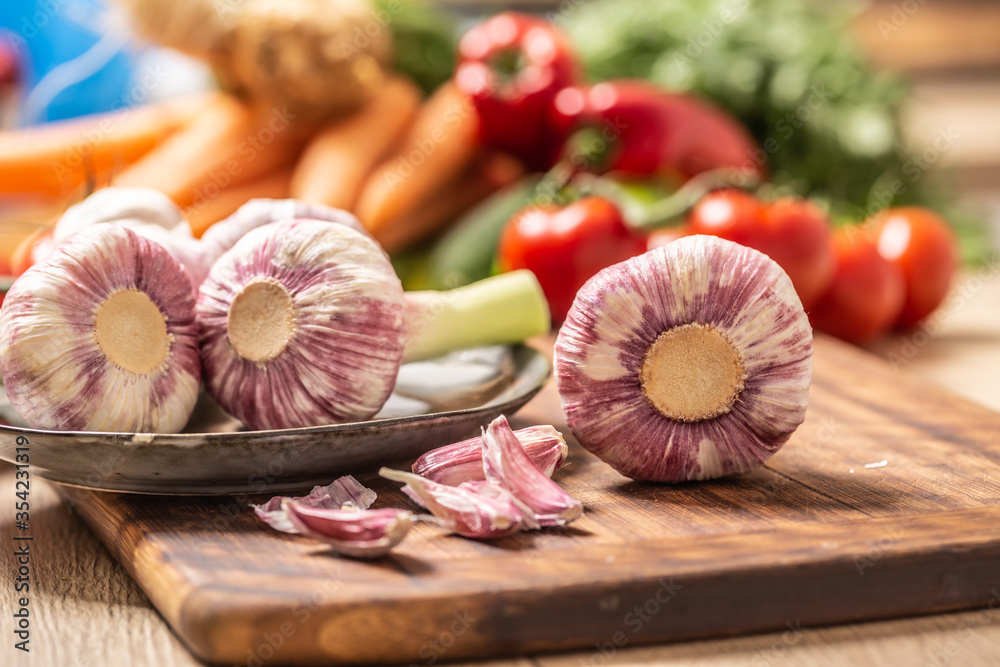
[316, 58]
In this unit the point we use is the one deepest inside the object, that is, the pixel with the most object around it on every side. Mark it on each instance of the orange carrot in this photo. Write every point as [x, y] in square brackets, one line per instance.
[203, 214]
[482, 178]
[57, 158]
[228, 144]
[333, 166]
[440, 144]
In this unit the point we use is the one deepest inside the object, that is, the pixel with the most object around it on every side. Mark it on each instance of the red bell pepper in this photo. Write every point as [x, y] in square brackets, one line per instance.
[565, 245]
[637, 128]
[10, 64]
[512, 66]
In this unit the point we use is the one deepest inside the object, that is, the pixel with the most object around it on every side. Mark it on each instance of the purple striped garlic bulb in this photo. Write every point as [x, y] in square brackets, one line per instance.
[302, 324]
[692, 361]
[101, 336]
[224, 234]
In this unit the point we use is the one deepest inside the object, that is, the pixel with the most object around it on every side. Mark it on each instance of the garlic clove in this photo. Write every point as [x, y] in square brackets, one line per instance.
[507, 464]
[478, 510]
[344, 493]
[351, 532]
[102, 336]
[692, 361]
[463, 461]
[302, 324]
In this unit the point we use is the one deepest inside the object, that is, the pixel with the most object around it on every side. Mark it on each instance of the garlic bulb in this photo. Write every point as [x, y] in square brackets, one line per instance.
[147, 212]
[224, 234]
[302, 323]
[102, 337]
[129, 207]
[691, 361]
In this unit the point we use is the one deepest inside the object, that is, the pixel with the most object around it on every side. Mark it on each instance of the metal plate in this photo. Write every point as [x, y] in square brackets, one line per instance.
[435, 403]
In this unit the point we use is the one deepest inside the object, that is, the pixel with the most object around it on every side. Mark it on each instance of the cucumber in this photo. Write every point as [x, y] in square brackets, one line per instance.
[465, 254]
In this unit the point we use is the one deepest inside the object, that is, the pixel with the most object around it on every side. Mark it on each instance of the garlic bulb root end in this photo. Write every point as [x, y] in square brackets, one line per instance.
[692, 372]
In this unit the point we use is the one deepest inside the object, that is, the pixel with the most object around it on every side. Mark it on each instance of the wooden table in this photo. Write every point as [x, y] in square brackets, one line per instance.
[87, 611]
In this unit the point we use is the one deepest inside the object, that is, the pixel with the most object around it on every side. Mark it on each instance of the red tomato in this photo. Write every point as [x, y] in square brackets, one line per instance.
[867, 292]
[795, 233]
[565, 246]
[730, 214]
[924, 248]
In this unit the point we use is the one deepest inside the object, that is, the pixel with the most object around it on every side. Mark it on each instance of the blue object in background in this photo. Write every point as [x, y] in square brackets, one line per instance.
[76, 58]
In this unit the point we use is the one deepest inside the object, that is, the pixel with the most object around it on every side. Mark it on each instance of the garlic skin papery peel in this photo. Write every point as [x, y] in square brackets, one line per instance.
[724, 305]
[330, 319]
[101, 336]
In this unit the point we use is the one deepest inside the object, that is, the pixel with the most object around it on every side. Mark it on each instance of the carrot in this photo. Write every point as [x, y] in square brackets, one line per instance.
[228, 144]
[57, 158]
[333, 166]
[440, 144]
[204, 213]
[482, 178]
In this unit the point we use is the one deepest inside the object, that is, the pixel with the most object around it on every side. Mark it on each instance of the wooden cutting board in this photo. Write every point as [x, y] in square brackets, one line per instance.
[886, 502]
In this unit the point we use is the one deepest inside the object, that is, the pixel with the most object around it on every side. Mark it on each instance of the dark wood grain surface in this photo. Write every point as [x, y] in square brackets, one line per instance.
[885, 503]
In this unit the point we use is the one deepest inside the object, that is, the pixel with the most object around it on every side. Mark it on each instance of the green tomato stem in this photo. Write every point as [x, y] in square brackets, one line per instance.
[503, 309]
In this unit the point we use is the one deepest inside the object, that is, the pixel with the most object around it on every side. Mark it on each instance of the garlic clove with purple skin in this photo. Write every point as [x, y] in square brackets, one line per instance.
[463, 461]
[351, 532]
[506, 464]
[344, 493]
[101, 336]
[479, 510]
[302, 323]
[692, 361]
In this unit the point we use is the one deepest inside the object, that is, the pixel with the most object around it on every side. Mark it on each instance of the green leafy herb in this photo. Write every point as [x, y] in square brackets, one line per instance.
[827, 122]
